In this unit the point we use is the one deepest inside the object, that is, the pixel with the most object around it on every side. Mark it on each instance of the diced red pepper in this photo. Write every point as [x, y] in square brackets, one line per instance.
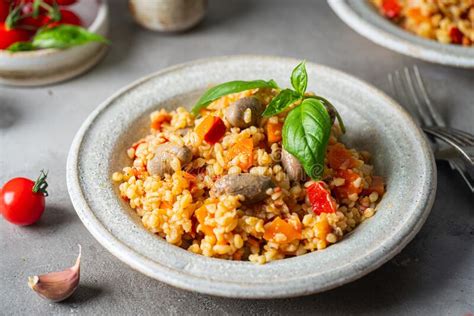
[391, 8]
[216, 132]
[211, 129]
[339, 157]
[320, 198]
[456, 35]
[348, 188]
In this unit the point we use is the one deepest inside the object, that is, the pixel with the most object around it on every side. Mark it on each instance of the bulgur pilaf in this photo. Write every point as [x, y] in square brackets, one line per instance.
[446, 21]
[225, 187]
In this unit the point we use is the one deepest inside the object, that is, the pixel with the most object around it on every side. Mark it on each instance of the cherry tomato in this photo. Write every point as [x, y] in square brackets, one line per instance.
[69, 17]
[4, 10]
[33, 23]
[22, 200]
[10, 36]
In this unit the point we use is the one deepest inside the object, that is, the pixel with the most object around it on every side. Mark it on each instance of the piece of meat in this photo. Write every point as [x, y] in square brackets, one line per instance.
[292, 166]
[252, 187]
[236, 112]
[160, 164]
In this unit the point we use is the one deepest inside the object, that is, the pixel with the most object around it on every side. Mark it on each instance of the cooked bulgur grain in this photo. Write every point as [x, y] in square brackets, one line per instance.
[185, 208]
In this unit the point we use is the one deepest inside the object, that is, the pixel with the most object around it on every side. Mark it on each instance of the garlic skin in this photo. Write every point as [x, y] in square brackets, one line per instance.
[57, 286]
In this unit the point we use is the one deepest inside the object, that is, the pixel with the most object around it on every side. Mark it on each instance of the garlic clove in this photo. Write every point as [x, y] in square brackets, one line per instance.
[57, 286]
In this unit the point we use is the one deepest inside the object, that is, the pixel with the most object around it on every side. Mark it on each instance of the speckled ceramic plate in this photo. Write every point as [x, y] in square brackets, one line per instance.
[374, 122]
[364, 19]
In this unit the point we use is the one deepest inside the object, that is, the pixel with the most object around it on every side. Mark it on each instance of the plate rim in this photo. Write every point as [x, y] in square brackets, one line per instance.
[202, 285]
[394, 42]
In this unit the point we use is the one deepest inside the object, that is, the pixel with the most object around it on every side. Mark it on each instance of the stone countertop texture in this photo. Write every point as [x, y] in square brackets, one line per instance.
[433, 275]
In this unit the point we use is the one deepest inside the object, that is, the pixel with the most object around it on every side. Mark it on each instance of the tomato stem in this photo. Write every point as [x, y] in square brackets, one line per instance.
[53, 10]
[13, 17]
[41, 185]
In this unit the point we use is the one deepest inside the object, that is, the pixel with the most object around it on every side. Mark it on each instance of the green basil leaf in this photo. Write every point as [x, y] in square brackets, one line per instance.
[299, 78]
[338, 116]
[65, 36]
[306, 134]
[279, 103]
[228, 88]
[21, 47]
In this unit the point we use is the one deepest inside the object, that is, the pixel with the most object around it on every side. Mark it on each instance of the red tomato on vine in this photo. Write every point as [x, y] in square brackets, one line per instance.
[22, 200]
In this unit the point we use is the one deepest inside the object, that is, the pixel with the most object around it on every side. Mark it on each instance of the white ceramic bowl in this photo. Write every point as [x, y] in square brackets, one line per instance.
[374, 122]
[361, 16]
[48, 66]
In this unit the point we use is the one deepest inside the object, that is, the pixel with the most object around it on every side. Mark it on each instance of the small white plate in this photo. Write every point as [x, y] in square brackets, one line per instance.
[47, 66]
[361, 16]
[374, 122]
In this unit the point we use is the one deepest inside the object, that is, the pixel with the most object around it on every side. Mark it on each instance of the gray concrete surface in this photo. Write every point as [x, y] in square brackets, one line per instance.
[434, 275]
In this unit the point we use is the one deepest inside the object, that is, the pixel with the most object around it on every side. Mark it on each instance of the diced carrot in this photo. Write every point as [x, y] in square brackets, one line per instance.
[211, 129]
[165, 205]
[201, 214]
[222, 242]
[279, 225]
[159, 120]
[244, 150]
[320, 198]
[349, 187]
[415, 14]
[322, 227]
[339, 157]
[377, 185]
[274, 132]
[189, 176]
[204, 126]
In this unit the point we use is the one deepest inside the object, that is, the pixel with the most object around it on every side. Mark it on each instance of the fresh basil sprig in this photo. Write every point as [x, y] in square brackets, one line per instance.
[228, 88]
[299, 78]
[281, 101]
[299, 81]
[306, 134]
[65, 36]
[61, 36]
[307, 127]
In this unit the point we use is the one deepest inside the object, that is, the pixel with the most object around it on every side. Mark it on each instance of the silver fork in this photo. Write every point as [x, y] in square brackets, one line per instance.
[409, 88]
